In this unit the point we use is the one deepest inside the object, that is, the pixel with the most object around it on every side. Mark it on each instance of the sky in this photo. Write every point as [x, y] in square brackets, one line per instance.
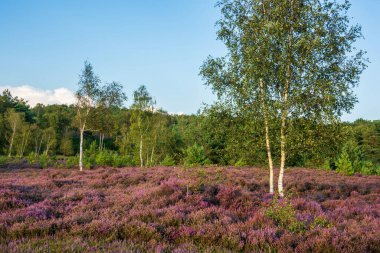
[160, 44]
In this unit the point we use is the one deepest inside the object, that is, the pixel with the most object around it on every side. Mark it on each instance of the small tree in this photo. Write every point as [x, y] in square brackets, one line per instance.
[344, 164]
[196, 155]
[286, 60]
[143, 107]
[87, 98]
[15, 120]
[112, 97]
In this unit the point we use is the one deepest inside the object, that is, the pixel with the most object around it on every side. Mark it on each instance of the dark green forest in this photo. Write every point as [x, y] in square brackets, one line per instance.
[48, 135]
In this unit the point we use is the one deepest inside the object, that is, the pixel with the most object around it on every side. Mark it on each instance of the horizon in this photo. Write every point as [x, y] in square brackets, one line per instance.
[160, 45]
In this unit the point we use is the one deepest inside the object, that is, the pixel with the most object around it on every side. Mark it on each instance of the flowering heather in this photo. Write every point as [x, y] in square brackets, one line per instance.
[166, 209]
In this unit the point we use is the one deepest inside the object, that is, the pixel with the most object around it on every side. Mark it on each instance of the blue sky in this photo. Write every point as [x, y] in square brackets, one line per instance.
[161, 44]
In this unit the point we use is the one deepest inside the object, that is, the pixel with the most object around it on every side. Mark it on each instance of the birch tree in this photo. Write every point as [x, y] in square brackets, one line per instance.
[15, 120]
[295, 56]
[142, 107]
[87, 98]
[112, 99]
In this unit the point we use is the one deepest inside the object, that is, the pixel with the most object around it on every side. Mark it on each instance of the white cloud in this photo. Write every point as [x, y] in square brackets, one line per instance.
[47, 97]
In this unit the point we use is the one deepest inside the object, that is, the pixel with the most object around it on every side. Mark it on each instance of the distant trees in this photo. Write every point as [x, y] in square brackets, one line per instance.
[219, 134]
[286, 60]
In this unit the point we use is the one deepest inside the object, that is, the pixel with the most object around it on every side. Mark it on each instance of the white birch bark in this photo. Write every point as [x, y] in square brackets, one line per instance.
[267, 141]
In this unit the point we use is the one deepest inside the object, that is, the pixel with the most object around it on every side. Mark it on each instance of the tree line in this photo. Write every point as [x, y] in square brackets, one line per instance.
[216, 135]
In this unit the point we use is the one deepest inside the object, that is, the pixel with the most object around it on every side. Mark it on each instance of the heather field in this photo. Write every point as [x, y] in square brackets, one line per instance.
[167, 209]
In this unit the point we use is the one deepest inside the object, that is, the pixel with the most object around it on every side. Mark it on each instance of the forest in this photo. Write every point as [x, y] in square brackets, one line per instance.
[49, 136]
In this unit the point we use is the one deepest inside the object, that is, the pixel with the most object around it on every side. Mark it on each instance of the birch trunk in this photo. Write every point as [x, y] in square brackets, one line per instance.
[151, 157]
[81, 149]
[141, 148]
[25, 143]
[283, 155]
[267, 141]
[40, 145]
[47, 146]
[12, 138]
[284, 112]
[101, 141]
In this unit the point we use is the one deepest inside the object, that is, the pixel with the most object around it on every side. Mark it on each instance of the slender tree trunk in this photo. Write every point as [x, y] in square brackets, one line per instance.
[284, 111]
[151, 156]
[101, 141]
[25, 143]
[154, 144]
[12, 138]
[269, 153]
[40, 145]
[141, 149]
[35, 146]
[283, 153]
[47, 146]
[81, 149]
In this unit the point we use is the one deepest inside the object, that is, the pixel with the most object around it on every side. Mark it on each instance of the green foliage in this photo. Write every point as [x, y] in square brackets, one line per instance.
[3, 160]
[240, 163]
[104, 158]
[195, 156]
[67, 146]
[351, 160]
[72, 161]
[320, 222]
[122, 161]
[228, 135]
[284, 216]
[32, 158]
[344, 164]
[168, 161]
[327, 164]
[46, 161]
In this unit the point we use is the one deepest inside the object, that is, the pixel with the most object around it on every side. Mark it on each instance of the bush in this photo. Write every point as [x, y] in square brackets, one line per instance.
[196, 156]
[104, 158]
[284, 215]
[46, 161]
[72, 161]
[3, 160]
[32, 158]
[327, 165]
[344, 164]
[240, 163]
[351, 160]
[121, 161]
[168, 161]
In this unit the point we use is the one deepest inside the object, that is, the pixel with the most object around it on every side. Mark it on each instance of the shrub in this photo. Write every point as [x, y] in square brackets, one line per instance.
[327, 165]
[168, 161]
[240, 163]
[121, 161]
[72, 161]
[284, 216]
[3, 160]
[104, 158]
[351, 160]
[195, 155]
[32, 158]
[43, 161]
[344, 164]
